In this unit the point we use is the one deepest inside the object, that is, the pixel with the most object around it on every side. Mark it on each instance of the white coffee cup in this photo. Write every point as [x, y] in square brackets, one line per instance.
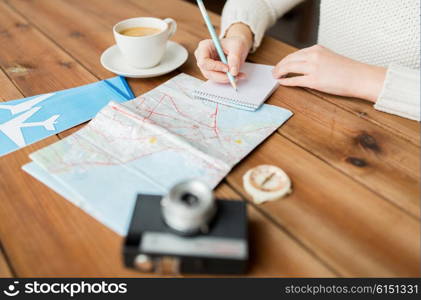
[144, 51]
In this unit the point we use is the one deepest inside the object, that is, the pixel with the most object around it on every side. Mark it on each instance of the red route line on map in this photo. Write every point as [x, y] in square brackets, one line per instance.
[214, 115]
[186, 118]
[171, 128]
[111, 161]
[214, 127]
[165, 96]
[68, 165]
[183, 114]
[144, 138]
[153, 111]
[191, 137]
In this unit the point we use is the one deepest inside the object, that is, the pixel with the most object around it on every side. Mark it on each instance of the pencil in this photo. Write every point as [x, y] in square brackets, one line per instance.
[216, 41]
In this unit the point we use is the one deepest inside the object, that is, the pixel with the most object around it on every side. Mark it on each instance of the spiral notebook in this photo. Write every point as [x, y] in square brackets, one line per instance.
[251, 93]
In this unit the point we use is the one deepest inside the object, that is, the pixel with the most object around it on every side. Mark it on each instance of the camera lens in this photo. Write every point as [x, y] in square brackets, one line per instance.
[188, 207]
[189, 199]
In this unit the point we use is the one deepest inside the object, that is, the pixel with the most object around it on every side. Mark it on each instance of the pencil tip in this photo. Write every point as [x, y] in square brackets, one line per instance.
[234, 85]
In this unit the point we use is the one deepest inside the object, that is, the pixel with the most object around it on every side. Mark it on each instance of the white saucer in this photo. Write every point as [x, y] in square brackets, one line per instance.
[174, 56]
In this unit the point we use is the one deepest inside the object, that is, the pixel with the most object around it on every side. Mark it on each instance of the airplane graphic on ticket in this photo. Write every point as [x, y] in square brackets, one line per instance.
[28, 120]
[147, 145]
[13, 128]
[24, 106]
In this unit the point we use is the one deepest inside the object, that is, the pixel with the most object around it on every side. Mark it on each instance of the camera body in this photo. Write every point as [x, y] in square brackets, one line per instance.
[220, 247]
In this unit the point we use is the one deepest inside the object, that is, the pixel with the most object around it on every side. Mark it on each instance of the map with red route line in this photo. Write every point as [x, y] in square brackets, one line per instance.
[149, 144]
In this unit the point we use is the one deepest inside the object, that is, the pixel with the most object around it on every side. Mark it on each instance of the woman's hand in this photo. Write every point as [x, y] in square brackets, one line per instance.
[236, 46]
[324, 70]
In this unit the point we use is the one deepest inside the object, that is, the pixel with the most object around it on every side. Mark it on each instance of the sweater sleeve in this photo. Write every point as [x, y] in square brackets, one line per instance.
[259, 15]
[401, 92]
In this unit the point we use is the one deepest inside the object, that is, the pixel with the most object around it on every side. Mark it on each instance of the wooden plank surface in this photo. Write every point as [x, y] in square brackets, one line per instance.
[5, 270]
[386, 163]
[68, 245]
[362, 201]
[31, 68]
[352, 229]
[361, 149]
[8, 89]
[270, 52]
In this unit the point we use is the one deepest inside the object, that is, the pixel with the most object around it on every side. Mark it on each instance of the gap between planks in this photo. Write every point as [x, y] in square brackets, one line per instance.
[363, 185]
[320, 95]
[59, 136]
[347, 110]
[258, 210]
[317, 94]
[99, 77]
[6, 269]
[283, 228]
[278, 132]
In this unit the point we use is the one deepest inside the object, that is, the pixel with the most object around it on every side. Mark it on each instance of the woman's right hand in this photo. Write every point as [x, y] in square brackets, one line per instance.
[236, 46]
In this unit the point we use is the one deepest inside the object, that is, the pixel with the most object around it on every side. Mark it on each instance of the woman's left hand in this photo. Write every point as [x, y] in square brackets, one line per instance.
[324, 70]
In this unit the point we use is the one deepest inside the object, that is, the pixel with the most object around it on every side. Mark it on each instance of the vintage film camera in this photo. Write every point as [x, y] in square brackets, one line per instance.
[187, 231]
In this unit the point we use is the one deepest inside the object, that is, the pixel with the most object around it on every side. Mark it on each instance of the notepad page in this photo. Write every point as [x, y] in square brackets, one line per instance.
[251, 92]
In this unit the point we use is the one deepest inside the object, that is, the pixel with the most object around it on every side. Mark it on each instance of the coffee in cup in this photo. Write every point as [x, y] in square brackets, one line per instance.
[140, 31]
[143, 41]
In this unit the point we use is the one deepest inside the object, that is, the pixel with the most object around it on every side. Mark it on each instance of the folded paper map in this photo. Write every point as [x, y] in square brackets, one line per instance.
[149, 144]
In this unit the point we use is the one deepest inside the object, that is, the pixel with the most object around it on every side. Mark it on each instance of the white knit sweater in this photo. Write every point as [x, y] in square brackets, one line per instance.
[379, 32]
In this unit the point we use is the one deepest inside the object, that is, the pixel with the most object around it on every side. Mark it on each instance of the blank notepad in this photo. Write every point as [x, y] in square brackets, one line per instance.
[251, 92]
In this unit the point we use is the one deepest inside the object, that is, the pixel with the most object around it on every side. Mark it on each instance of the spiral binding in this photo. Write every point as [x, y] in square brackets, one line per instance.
[214, 98]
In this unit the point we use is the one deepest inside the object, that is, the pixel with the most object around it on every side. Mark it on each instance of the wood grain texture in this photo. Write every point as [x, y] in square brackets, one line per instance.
[270, 52]
[353, 230]
[31, 68]
[336, 223]
[5, 270]
[8, 90]
[272, 251]
[403, 128]
[63, 235]
[67, 242]
[385, 163]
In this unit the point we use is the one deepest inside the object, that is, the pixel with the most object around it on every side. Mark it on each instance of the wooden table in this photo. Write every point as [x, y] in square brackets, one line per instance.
[355, 171]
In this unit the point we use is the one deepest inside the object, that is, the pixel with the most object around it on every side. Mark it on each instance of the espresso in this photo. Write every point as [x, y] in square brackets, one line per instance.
[140, 31]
